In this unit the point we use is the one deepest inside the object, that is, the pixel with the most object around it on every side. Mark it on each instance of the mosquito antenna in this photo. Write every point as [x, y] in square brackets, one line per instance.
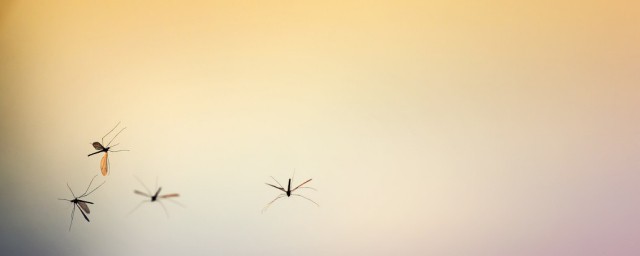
[157, 185]
[145, 187]
[274, 179]
[114, 137]
[85, 192]
[269, 204]
[109, 132]
[74, 196]
[307, 199]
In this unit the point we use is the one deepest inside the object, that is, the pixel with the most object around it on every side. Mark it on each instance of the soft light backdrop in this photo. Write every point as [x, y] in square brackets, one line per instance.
[429, 127]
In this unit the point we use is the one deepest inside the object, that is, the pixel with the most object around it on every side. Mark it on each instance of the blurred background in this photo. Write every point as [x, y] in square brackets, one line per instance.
[428, 127]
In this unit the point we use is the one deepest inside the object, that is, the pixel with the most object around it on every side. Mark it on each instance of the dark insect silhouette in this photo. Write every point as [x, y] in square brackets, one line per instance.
[288, 192]
[104, 163]
[81, 204]
[154, 197]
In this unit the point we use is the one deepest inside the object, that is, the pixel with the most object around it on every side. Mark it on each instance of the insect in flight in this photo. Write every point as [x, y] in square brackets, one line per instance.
[81, 204]
[104, 163]
[288, 192]
[154, 197]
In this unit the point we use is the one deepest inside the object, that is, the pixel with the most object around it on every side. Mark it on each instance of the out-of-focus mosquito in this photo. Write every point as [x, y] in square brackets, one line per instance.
[154, 197]
[81, 204]
[288, 192]
[104, 163]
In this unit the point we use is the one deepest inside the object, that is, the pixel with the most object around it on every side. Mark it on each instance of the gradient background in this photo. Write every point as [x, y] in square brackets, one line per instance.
[429, 127]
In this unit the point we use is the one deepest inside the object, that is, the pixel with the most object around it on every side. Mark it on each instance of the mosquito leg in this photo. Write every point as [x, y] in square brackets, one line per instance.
[274, 179]
[102, 140]
[164, 208]
[309, 188]
[145, 187]
[307, 199]
[294, 174]
[72, 213]
[119, 150]
[85, 192]
[269, 204]
[114, 137]
[74, 196]
[176, 202]
[95, 188]
[138, 206]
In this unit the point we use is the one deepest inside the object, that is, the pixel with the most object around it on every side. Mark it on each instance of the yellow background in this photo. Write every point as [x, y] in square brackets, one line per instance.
[428, 127]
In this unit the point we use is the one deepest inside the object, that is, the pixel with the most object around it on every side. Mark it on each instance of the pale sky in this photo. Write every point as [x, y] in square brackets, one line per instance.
[428, 127]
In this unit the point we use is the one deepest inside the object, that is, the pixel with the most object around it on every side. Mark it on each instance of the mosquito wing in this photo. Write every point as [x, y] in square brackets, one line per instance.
[83, 214]
[97, 146]
[141, 193]
[103, 164]
[301, 185]
[277, 187]
[170, 195]
[84, 207]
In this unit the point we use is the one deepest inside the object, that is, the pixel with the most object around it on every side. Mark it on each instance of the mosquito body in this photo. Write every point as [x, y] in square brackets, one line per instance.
[79, 203]
[288, 192]
[104, 163]
[154, 197]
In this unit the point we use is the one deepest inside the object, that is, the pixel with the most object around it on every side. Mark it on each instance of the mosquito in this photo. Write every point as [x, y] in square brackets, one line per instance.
[104, 163]
[81, 204]
[288, 192]
[154, 197]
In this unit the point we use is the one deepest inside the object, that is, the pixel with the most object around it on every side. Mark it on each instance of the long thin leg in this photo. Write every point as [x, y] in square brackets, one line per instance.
[307, 199]
[72, 213]
[145, 187]
[274, 179]
[102, 140]
[309, 188]
[269, 204]
[74, 196]
[164, 208]
[294, 174]
[176, 202]
[85, 192]
[95, 189]
[114, 137]
[138, 206]
[119, 150]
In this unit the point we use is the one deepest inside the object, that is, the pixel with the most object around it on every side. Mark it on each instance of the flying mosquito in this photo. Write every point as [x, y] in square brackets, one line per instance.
[81, 204]
[104, 163]
[288, 192]
[154, 197]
